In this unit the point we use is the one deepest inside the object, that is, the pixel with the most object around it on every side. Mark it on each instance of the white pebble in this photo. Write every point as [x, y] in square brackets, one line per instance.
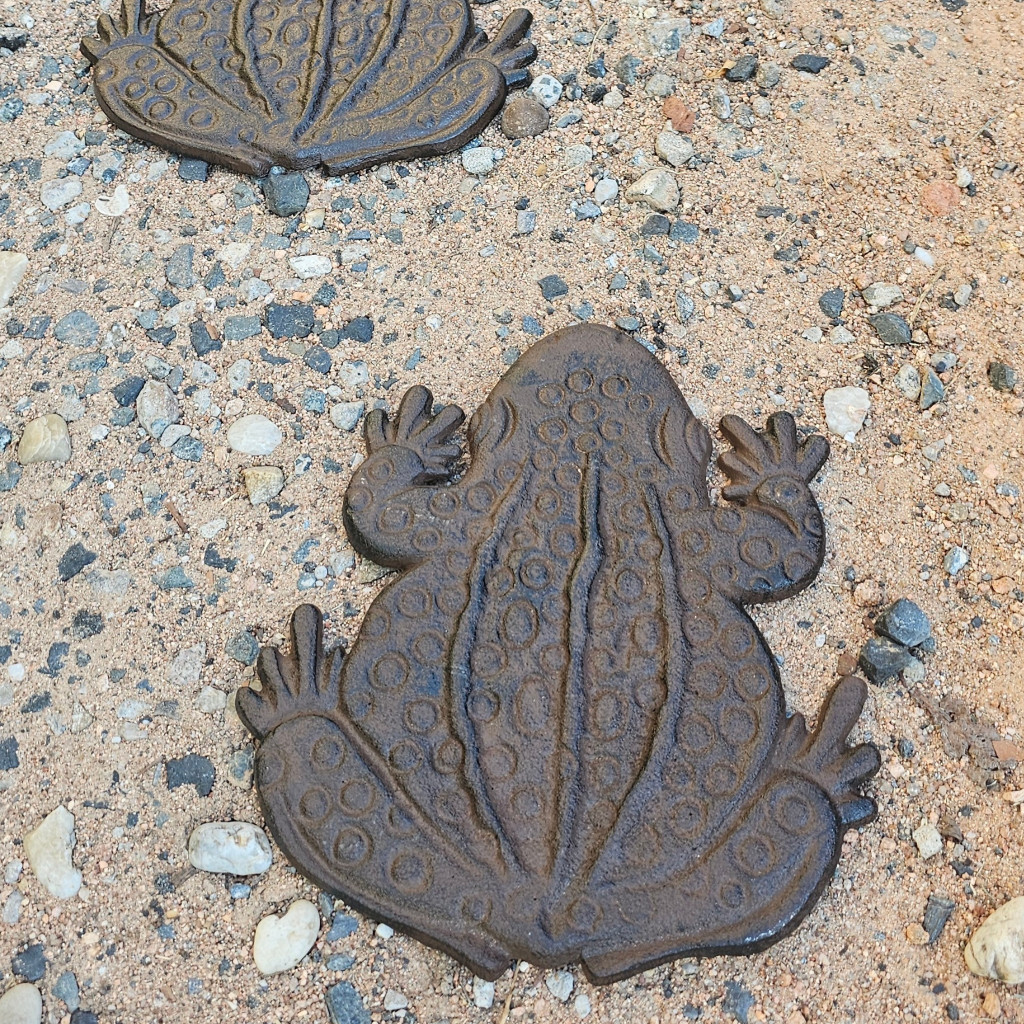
[924, 256]
[156, 407]
[479, 160]
[306, 267]
[581, 1004]
[345, 415]
[483, 994]
[45, 439]
[230, 847]
[384, 931]
[394, 1000]
[560, 984]
[21, 1005]
[211, 700]
[845, 410]
[956, 558]
[996, 949]
[281, 942]
[908, 380]
[187, 666]
[928, 840]
[12, 269]
[605, 191]
[115, 205]
[254, 435]
[658, 189]
[546, 90]
[48, 849]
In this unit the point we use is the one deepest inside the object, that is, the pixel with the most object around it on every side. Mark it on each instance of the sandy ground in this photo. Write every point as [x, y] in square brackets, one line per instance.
[915, 93]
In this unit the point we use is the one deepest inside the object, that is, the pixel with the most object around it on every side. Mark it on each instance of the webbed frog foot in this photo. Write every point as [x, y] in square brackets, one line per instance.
[416, 430]
[770, 469]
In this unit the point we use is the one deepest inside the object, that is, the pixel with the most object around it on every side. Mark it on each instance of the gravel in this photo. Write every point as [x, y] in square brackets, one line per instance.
[891, 329]
[254, 434]
[286, 194]
[524, 117]
[904, 622]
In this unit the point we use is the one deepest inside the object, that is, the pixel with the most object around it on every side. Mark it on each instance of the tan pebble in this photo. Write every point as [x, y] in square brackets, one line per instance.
[916, 935]
[262, 483]
[940, 198]
[996, 949]
[846, 664]
[796, 1017]
[990, 1005]
[45, 439]
[867, 594]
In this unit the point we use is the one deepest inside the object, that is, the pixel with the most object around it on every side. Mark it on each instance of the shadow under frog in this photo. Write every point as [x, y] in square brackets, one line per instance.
[558, 736]
[343, 83]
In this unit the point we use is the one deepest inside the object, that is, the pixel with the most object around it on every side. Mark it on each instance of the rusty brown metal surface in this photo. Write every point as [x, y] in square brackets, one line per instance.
[559, 736]
[253, 83]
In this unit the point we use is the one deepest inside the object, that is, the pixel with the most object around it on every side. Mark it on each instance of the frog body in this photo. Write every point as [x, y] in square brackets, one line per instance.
[296, 83]
[562, 737]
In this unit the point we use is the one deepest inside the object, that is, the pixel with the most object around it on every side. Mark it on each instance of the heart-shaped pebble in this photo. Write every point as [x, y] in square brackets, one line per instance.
[281, 942]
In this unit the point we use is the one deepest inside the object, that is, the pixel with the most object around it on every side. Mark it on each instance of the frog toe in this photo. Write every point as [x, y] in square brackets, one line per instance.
[148, 96]
[446, 116]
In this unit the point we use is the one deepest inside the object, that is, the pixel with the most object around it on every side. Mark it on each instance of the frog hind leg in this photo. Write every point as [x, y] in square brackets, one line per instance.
[329, 806]
[150, 97]
[452, 111]
[765, 874]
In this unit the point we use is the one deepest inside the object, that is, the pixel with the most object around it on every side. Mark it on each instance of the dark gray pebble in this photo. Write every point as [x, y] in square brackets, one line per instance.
[359, 329]
[127, 391]
[29, 964]
[345, 1006]
[77, 328]
[891, 329]
[831, 302]
[743, 70]
[882, 659]
[238, 328]
[318, 359]
[656, 224]
[242, 647]
[810, 63]
[188, 449]
[342, 925]
[74, 560]
[932, 389]
[191, 770]
[937, 912]
[178, 267]
[1002, 377]
[191, 169]
[552, 287]
[9, 754]
[202, 341]
[904, 622]
[286, 194]
[293, 321]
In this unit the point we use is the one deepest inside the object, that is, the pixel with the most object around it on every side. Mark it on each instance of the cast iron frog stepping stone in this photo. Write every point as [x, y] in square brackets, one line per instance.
[558, 736]
[343, 83]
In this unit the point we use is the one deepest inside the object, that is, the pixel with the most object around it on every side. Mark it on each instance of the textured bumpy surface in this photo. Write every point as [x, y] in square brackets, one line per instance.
[346, 84]
[558, 736]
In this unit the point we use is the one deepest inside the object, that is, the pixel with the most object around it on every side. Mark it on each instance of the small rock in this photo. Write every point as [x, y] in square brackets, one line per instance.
[254, 435]
[479, 160]
[660, 85]
[891, 329]
[928, 840]
[286, 194]
[682, 117]
[395, 1001]
[157, 408]
[242, 647]
[77, 328]
[211, 700]
[186, 667]
[318, 358]
[191, 770]
[30, 963]
[937, 912]
[21, 1004]
[231, 848]
[45, 439]
[179, 267]
[191, 169]
[307, 267]
[605, 191]
[932, 389]
[282, 941]
[721, 104]
[262, 483]
[956, 558]
[673, 148]
[904, 622]
[48, 849]
[345, 415]
[552, 287]
[483, 994]
[12, 269]
[943, 362]
[115, 205]
[74, 560]
[882, 659]
[743, 70]
[60, 192]
[839, 335]
[962, 295]
[559, 984]
[845, 410]
[524, 117]
[66, 990]
[526, 221]
[546, 90]
[810, 63]
[881, 295]
[344, 1005]
[996, 949]
[908, 380]
[940, 198]
[1001, 376]
[658, 189]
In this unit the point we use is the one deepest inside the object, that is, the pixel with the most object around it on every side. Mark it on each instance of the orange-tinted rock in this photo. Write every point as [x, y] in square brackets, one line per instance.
[940, 198]
[681, 116]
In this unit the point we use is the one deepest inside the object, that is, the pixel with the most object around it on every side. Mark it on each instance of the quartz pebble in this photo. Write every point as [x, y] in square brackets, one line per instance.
[479, 160]
[12, 269]
[559, 984]
[262, 483]
[45, 439]
[928, 840]
[996, 949]
[254, 435]
[845, 410]
[658, 189]
[483, 994]
[307, 267]
[956, 558]
[230, 847]
[345, 415]
[48, 849]
[157, 408]
[282, 941]
[546, 90]
[673, 148]
[21, 1005]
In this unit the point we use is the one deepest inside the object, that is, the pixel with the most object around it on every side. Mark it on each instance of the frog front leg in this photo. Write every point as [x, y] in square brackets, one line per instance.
[769, 542]
[395, 510]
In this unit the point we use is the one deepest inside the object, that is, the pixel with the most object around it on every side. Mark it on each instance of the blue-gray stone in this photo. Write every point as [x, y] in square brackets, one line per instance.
[174, 579]
[293, 321]
[191, 770]
[66, 990]
[882, 659]
[831, 302]
[77, 328]
[242, 647]
[318, 359]
[932, 389]
[9, 476]
[238, 328]
[904, 622]
[552, 287]
[74, 560]
[188, 449]
[30, 963]
[342, 925]
[359, 329]
[340, 962]
[127, 391]
[344, 1005]
[191, 169]
[286, 194]
[202, 341]
[891, 329]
